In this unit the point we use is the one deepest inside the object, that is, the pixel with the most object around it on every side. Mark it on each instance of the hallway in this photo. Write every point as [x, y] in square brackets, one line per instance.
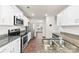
[36, 46]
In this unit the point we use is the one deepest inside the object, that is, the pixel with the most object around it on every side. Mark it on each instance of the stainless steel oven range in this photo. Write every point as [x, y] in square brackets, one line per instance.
[24, 42]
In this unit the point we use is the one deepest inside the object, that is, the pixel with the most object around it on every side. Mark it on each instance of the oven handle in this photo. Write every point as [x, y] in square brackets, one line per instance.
[24, 36]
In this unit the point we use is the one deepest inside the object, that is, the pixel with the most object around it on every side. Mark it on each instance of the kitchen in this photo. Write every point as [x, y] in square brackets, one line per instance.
[22, 31]
[14, 29]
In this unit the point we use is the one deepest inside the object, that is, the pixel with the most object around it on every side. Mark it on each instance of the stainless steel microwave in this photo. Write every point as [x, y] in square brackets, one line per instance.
[18, 21]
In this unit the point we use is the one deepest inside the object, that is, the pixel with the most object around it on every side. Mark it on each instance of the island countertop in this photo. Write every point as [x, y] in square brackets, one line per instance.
[73, 39]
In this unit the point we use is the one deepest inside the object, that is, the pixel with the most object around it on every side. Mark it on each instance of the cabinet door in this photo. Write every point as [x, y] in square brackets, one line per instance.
[70, 11]
[69, 16]
[59, 18]
[29, 36]
[5, 49]
[0, 15]
[17, 46]
[62, 18]
[75, 14]
[11, 47]
[7, 15]
[25, 21]
[17, 12]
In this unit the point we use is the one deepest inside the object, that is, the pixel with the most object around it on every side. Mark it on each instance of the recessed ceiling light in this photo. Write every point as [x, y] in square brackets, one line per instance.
[28, 7]
[46, 14]
[33, 14]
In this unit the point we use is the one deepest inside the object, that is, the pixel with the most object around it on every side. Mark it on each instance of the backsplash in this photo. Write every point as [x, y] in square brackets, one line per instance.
[4, 29]
[71, 29]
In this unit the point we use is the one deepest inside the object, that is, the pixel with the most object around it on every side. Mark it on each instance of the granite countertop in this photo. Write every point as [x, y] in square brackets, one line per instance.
[73, 39]
[5, 39]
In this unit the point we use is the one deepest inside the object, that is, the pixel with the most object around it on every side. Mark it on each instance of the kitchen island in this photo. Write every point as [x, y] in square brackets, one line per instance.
[71, 38]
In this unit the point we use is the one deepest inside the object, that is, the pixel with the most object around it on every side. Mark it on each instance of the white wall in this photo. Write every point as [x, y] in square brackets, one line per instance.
[50, 29]
[36, 23]
[47, 30]
[44, 27]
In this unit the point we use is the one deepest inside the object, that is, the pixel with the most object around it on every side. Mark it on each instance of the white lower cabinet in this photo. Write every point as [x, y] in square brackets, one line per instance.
[5, 49]
[29, 36]
[12, 47]
[16, 46]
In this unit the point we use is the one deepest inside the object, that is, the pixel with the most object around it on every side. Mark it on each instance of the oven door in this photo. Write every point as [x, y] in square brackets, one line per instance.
[24, 41]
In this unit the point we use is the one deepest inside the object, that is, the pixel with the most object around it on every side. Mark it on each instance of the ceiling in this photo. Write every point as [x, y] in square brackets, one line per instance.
[40, 11]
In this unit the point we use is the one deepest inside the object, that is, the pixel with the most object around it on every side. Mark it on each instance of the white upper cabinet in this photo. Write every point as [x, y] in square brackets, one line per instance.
[7, 14]
[26, 20]
[17, 12]
[69, 16]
